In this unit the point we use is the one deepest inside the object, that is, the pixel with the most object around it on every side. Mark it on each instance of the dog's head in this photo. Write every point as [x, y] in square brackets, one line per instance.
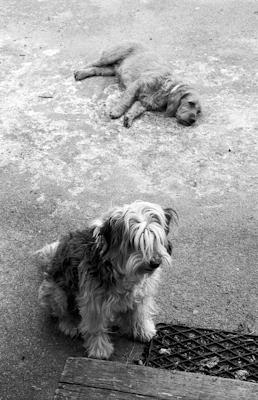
[183, 103]
[134, 238]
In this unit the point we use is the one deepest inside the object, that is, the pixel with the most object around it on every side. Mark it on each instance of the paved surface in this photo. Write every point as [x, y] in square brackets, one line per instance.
[63, 161]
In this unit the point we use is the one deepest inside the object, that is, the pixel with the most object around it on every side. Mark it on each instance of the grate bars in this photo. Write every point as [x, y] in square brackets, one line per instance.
[212, 352]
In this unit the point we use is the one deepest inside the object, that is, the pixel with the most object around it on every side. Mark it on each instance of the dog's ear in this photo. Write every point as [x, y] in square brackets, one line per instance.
[110, 233]
[174, 99]
[104, 237]
[171, 217]
[172, 105]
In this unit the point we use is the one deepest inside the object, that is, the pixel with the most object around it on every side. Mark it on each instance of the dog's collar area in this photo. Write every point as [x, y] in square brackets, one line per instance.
[176, 87]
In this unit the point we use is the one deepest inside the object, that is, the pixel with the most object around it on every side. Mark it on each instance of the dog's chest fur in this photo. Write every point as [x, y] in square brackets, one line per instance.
[152, 95]
[150, 72]
[119, 297]
[129, 295]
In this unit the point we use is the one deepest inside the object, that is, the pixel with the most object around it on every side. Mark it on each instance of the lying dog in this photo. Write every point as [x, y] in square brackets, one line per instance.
[148, 82]
[107, 274]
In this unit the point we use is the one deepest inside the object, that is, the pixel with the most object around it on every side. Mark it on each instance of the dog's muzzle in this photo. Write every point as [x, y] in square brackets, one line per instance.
[150, 266]
[189, 121]
[155, 262]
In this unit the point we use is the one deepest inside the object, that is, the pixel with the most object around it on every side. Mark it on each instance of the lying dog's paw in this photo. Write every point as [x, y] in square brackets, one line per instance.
[127, 121]
[84, 73]
[115, 113]
[78, 75]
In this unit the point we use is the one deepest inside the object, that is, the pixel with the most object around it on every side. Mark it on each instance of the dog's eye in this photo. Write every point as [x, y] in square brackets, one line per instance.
[199, 112]
[191, 103]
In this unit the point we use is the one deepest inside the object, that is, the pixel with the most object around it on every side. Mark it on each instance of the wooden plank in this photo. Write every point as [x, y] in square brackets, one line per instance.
[78, 392]
[83, 378]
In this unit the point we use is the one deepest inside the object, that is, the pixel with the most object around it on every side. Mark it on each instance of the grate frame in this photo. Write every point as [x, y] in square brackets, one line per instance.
[212, 352]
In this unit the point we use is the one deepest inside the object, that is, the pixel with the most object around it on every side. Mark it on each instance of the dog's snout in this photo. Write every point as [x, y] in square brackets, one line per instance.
[155, 262]
[192, 119]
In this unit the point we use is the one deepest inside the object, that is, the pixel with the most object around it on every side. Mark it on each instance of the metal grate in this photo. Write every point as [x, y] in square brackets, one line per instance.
[212, 352]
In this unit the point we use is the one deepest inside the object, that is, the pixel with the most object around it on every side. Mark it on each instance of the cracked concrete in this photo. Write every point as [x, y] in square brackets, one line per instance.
[63, 162]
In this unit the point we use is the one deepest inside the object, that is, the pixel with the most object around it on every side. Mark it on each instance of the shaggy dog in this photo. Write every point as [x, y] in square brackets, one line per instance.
[148, 82]
[107, 274]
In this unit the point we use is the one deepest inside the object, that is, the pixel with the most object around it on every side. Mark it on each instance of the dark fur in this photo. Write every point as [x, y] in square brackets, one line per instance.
[76, 250]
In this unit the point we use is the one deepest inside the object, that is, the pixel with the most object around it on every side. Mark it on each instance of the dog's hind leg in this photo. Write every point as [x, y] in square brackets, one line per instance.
[93, 71]
[54, 300]
[127, 99]
[115, 55]
[135, 111]
[102, 66]
[69, 326]
[46, 254]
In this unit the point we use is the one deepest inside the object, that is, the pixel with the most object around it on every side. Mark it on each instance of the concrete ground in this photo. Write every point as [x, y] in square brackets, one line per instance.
[63, 162]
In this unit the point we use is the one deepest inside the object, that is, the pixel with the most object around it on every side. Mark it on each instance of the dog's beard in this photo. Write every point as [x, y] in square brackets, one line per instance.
[138, 265]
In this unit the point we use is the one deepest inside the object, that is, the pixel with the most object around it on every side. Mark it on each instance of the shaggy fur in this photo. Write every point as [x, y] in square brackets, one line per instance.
[148, 82]
[107, 274]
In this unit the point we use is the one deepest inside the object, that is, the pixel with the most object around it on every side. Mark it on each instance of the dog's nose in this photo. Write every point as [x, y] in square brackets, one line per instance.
[192, 119]
[155, 262]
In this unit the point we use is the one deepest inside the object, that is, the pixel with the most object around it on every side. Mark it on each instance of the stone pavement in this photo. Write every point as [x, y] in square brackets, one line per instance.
[63, 162]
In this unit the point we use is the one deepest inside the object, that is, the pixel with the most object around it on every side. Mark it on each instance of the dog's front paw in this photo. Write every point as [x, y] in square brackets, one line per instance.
[127, 121]
[115, 113]
[68, 327]
[146, 331]
[99, 347]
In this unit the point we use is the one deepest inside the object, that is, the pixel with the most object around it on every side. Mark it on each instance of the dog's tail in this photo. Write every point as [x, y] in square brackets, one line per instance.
[46, 254]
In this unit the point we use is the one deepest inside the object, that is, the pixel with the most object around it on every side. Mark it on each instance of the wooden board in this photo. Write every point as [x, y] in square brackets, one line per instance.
[84, 378]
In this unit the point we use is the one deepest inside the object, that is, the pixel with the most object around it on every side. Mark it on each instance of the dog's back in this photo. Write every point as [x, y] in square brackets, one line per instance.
[140, 62]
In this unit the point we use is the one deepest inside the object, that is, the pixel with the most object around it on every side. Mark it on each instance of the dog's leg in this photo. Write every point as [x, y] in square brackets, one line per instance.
[135, 111]
[104, 65]
[94, 71]
[98, 345]
[128, 97]
[115, 55]
[69, 326]
[143, 325]
[46, 254]
[138, 323]
[54, 300]
[93, 328]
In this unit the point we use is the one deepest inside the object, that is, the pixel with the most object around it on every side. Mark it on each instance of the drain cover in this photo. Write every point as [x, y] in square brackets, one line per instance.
[212, 352]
